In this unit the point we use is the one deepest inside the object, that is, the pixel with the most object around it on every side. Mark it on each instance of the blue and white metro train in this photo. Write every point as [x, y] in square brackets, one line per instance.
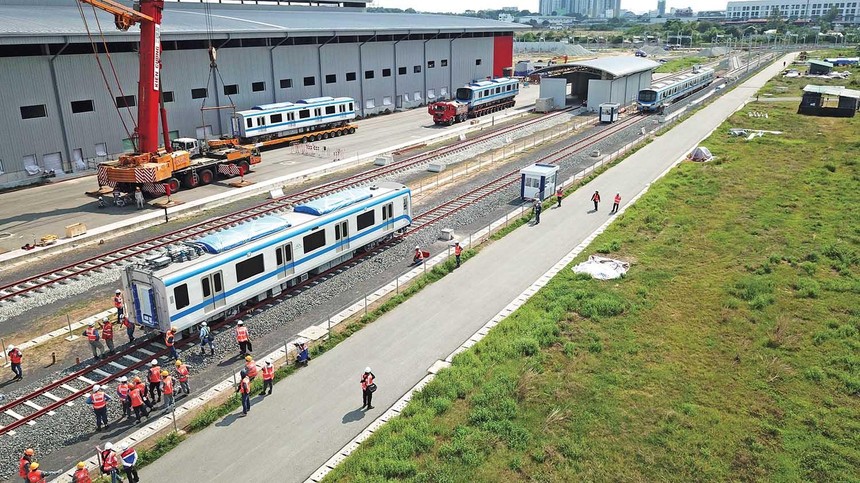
[269, 121]
[200, 280]
[661, 94]
[488, 91]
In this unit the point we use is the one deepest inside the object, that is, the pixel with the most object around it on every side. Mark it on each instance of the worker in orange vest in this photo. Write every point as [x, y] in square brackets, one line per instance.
[268, 376]
[15, 357]
[367, 388]
[137, 397]
[182, 370]
[92, 335]
[107, 334]
[250, 367]
[110, 463]
[129, 329]
[245, 390]
[82, 474]
[615, 204]
[243, 338]
[98, 400]
[167, 388]
[24, 463]
[122, 390]
[458, 250]
[154, 379]
[117, 302]
[596, 199]
[35, 475]
[169, 341]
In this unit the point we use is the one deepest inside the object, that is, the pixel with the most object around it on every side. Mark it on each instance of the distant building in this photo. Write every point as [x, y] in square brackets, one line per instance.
[683, 12]
[849, 12]
[506, 17]
[548, 7]
[711, 15]
[661, 8]
[510, 9]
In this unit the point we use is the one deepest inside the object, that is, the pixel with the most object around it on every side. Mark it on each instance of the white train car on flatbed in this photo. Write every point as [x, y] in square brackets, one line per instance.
[203, 279]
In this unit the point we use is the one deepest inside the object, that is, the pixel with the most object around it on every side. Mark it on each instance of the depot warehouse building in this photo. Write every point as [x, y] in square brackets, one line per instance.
[57, 113]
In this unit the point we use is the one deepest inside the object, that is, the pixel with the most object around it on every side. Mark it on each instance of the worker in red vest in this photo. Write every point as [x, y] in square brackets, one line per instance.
[615, 204]
[167, 388]
[182, 371]
[268, 376]
[458, 251]
[243, 338]
[92, 335]
[82, 474]
[245, 390]
[250, 367]
[169, 341]
[98, 400]
[107, 334]
[129, 329]
[418, 256]
[154, 378]
[136, 397]
[24, 463]
[35, 475]
[559, 194]
[110, 463]
[596, 199]
[367, 388]
[15, 356]
[117, 302]
[122, 390]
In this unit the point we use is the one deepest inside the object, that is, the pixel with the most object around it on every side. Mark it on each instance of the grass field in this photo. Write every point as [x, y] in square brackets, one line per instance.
[729, 352]
[679, 64]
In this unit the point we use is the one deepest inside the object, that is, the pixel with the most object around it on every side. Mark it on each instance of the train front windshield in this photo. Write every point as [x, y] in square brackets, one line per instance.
[647, 96]
[464, 94]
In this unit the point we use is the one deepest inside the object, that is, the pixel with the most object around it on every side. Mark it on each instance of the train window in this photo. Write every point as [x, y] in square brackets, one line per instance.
[284, 254]
[366, 219]
[180, 296]
[291, 116]
[249, 122]
[329, 110]
[207, 289]
[313, 241]
[498, 90]
[216, 277]
[261, 120]
[341, 108]
[250, 267]
[350, 107]
[276, 118]
[304, 113]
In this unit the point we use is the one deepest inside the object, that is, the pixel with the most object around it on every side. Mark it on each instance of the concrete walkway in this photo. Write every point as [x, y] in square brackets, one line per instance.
[312, 414]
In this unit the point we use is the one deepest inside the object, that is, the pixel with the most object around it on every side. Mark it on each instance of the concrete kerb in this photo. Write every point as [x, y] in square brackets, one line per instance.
[192, 207]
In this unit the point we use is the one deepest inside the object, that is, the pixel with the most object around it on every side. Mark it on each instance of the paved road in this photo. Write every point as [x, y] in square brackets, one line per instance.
[33, 212]
[312, 414]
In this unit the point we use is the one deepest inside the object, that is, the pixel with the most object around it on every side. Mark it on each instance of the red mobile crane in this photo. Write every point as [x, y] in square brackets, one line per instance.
[150, 166]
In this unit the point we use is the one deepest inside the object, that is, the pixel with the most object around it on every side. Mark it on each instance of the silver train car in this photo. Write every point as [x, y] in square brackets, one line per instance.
[492, 91]
[270, 121]
[661, 94]
[201, 280]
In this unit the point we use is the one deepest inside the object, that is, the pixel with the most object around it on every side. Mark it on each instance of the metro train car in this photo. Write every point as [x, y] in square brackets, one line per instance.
[661, 94]
[270, 121]
[476, 99]
[203, 279]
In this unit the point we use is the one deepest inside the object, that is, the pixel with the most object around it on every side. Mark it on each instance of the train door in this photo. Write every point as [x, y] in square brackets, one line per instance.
[213, 291]
[284, 259]
[341, 233]
[387, 216]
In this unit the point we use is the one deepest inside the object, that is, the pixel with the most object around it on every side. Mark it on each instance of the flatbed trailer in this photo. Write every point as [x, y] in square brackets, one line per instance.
[306, 137]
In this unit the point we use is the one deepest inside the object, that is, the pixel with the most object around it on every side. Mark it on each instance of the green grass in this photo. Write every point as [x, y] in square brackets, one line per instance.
[679, 64]
[793, 86]
[728, 353]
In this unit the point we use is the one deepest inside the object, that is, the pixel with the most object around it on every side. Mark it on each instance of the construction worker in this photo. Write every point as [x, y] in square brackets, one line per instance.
[615, 203]
[169, 341]
[559, 194]
[110, 463]
[167, 389]
[138, 198]
[537, 207]
[92, 335]
[206, 339]
[129, 462]
[35, 475]
[595, 198]
[243, 338]
[268, 376]
[15, 356]
[137, 397]
[107, 334]
[98, 400]
[418, 256]
[24, 463]
[129, 329]
[122, 391]
[82, 474]
[250, 367]
[245, 390]
[366, 389]
[154, 379]
[182, 370]
[458, 250]
[117, 302]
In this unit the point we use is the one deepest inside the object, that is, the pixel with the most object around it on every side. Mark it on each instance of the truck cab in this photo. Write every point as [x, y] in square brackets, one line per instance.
[187, 144]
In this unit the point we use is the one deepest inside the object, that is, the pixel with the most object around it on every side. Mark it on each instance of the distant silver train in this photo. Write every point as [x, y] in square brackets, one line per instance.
[663, 93]
[270, 121]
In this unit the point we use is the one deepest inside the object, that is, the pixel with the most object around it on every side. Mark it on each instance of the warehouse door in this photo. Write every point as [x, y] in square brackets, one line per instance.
[398, 102]
[78, 156]
[53, 161]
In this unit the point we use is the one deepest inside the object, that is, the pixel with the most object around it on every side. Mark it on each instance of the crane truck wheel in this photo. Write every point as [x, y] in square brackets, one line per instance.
[244, 167]
[304, 139]
[189, 181]
[174, 185]
[351, 130]
[206, 176]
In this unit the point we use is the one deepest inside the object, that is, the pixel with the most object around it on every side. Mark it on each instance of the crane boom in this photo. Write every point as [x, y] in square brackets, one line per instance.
[124, 17]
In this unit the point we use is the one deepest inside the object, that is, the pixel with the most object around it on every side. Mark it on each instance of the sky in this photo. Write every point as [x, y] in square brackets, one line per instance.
[532, 5]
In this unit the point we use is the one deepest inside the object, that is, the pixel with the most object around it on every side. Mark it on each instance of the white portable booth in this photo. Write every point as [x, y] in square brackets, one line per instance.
[538, 181]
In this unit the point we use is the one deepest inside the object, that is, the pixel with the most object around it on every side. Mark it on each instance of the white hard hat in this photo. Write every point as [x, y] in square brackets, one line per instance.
[268, 362]
[367, 369]
[92, 323]
[108, 446]
[11, 346]
[118, 291]
[123, 379]
[123, 446]
[417, 247]
[154, 362]
[105, 319]
[96, 388]
[203, 324]
[239, 323]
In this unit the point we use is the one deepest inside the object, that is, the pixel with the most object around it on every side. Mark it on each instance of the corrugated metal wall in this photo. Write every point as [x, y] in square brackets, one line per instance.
[28, 81]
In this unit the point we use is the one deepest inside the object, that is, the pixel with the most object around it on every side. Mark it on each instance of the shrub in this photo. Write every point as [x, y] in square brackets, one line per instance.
[814, 374]
[611, 246]
[807, 288]
[748, 288]
[602, 305]
[527, 346]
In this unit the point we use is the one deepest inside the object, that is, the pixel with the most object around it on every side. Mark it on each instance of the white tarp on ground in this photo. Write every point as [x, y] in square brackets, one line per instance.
[602, 268]
[701, 153]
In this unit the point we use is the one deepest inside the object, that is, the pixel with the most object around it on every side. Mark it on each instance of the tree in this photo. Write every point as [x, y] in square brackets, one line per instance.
[828, 18]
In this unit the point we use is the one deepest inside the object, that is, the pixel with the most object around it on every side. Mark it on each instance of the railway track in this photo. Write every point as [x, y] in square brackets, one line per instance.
[11, 292]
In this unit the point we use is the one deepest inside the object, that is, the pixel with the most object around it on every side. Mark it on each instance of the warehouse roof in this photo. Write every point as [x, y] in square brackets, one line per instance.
[613, 66]
[187, 21]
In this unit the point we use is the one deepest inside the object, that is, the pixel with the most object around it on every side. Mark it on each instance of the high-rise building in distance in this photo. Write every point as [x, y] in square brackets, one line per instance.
[661, 8]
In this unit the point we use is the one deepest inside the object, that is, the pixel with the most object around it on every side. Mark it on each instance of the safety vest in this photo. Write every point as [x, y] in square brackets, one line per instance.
[245, 385]
[92, 335]
[366, 380]
[129, 457]
[458, 249]
[183, 373]
[241, 334]
[99, 400]
[36, 476]
[24, 466]
[268, 373]
[251, 369]
[168, 385]
[136, 398]
[618, 198]
[82, 476]
[117, 301]
[168, 339]
[109, 461]
[107, 331]
[418, 253]
[155, 374]
[595, 197]
[122, 390]
[15, 356]
[559, 193]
